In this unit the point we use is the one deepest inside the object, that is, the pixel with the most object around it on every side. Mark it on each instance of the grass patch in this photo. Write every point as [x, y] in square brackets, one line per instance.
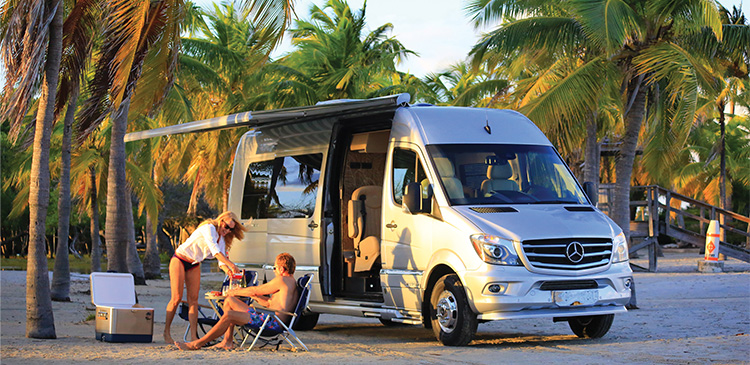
[82, 265]
[90, 317]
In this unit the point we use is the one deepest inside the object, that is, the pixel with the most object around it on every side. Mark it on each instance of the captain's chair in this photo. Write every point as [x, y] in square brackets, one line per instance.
[364, 226]
[452, 184]
[498, 178]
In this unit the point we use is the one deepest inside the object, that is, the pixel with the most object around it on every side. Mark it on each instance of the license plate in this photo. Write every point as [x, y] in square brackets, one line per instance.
[572, 298]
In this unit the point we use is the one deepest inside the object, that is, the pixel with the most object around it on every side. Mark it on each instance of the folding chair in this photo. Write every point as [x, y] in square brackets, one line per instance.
[206, 321]
[276, 337]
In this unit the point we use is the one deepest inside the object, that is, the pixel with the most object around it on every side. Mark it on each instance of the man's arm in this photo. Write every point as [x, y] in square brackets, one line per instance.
[268, 288]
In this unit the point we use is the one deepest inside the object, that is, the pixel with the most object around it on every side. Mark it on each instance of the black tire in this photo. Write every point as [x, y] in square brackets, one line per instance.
[592, 326]
[306, 322]
[453, 321]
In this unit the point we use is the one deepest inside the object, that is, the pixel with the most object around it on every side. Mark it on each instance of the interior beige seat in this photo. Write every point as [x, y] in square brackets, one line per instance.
[452, 184]
[364, 227]
[498, 178]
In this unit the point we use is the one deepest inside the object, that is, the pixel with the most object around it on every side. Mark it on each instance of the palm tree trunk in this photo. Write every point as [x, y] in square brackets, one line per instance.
[151, 262]
[225, 191]
[122, 255]
[117, 232]
[40, 321]
[625, 160]
[61, 275]
[723, 159]
[96, 250]
[591, 168]
[193, 204]
[134, 262]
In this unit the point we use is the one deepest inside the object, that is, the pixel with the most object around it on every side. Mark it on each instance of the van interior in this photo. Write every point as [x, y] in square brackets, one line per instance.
[354, 205]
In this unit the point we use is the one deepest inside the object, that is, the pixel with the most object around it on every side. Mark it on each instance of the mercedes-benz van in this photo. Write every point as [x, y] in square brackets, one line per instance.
[418, 214]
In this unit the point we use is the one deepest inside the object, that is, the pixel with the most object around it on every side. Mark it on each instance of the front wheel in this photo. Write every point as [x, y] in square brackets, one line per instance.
[453, 322]
[592, 326]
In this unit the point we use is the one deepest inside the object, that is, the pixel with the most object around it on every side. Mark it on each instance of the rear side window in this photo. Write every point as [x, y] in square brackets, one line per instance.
[284, 187]
[255, 193]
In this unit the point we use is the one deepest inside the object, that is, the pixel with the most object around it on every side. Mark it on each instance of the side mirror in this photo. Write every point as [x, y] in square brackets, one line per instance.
[590, 189]
[413, 198]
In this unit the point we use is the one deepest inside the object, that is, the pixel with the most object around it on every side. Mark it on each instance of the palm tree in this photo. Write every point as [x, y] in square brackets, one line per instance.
[79, 28]
[32, 46]
[629, 36]
[335, 60]
[220, 71]
[700, 166]
[459, 85]
[132, 30]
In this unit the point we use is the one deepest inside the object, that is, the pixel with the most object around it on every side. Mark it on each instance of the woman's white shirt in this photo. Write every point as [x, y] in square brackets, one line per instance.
[203, 244]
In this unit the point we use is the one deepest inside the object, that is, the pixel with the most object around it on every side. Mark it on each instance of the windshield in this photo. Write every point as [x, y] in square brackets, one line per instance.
[504, 174]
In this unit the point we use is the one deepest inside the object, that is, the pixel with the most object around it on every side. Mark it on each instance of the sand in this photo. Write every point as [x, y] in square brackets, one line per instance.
[684, 317]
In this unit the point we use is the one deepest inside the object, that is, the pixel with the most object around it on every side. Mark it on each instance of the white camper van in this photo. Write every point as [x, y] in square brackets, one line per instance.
[417, 214]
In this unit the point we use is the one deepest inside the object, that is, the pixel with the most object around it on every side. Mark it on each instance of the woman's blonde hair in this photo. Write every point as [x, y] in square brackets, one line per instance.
[238, 232]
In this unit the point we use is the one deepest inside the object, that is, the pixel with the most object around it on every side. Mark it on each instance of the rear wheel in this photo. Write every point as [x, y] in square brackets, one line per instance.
[453, 322]
[306, 322]
[591, 326]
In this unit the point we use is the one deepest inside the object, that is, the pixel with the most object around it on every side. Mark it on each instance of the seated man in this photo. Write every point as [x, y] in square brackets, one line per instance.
[277, 294]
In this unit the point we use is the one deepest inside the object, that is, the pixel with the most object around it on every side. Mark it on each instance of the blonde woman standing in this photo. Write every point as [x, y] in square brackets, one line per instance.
[212, 238]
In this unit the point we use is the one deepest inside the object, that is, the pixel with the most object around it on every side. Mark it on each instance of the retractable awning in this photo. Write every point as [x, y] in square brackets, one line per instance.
[279, 117]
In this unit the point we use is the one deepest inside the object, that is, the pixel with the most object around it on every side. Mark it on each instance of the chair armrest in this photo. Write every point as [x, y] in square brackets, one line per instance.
[264, 309]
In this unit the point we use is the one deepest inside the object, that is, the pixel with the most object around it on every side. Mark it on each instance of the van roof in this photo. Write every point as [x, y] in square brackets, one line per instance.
[448, 125]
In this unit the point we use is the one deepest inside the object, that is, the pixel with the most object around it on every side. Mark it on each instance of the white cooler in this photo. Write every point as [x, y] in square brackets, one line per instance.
[118, 317]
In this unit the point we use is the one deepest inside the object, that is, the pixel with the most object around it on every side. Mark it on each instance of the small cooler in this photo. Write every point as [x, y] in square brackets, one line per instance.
[118, 317]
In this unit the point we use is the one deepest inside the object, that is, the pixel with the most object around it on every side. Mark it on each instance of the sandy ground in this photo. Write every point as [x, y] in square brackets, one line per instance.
[684, 317]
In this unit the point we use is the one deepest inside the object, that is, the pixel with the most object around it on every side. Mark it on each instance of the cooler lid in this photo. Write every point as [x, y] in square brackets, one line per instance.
[112, 289]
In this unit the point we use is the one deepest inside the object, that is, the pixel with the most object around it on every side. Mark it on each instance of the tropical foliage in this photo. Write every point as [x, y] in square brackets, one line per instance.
[662, 78]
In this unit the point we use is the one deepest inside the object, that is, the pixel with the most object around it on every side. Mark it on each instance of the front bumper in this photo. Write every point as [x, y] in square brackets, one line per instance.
[522, 297]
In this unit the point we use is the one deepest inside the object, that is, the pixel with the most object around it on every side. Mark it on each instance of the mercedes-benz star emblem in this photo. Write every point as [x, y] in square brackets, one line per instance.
[574, 251]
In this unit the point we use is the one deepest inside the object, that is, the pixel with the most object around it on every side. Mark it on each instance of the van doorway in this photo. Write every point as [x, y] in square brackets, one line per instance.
[353, 207]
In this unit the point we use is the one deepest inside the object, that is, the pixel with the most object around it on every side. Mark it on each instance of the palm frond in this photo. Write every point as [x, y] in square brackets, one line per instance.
[552, 34]
[272, 18]
[24, 43]
[609, 24]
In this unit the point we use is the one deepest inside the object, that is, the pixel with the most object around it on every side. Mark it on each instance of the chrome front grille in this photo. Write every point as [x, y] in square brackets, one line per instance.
[563, 254]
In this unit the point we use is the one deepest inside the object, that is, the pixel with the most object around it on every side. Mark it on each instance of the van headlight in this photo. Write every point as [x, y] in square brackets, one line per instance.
[495, 250]
[619, 248]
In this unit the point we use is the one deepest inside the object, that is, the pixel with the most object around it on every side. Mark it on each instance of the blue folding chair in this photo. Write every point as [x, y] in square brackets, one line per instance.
[272, 337]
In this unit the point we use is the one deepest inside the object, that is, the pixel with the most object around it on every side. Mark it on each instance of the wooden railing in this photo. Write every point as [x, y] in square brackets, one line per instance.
[657, 211]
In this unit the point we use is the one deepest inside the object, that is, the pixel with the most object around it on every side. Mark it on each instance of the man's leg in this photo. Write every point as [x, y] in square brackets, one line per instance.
[230, 317]
[231, 304]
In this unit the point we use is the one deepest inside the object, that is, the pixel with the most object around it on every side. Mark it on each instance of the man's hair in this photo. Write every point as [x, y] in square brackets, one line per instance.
[287, 262]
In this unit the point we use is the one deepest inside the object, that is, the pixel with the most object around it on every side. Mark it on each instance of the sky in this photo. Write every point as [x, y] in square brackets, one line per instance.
[438, 30]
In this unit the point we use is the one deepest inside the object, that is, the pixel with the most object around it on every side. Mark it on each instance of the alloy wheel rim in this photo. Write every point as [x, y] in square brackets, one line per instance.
[447, 311]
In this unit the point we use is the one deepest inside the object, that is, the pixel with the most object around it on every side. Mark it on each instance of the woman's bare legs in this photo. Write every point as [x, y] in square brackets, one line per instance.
[193, 284]
[176, 283]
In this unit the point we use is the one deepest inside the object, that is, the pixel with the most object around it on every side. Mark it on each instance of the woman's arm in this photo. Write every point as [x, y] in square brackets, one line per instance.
[230, 266]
